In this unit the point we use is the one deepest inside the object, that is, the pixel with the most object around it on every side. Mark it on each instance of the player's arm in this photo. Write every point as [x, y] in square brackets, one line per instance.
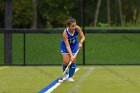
[81, 36]
[67, 44]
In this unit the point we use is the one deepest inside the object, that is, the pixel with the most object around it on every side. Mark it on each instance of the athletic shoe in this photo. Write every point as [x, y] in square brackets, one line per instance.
[70, 79]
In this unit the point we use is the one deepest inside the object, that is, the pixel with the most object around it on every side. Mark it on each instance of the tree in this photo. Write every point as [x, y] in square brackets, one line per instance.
[34, 20]
[131, 11]
[97, 12]
[1, 13]
[118, 13]
[54, 13]
[22, 13]
[108, 12]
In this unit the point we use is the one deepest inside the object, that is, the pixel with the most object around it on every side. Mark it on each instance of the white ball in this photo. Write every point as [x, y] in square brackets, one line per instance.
[60, 81]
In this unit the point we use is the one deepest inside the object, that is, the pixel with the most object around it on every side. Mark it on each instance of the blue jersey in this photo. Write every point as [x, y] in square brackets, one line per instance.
[73, 41]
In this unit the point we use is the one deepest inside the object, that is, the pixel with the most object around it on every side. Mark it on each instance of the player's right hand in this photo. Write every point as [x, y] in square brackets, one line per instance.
[80, 45]
[72, 58]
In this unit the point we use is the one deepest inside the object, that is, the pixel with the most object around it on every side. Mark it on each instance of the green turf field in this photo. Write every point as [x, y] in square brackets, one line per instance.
[89, 79]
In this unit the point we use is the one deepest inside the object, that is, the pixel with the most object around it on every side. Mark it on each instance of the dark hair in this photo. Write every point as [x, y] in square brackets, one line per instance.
[70, 21]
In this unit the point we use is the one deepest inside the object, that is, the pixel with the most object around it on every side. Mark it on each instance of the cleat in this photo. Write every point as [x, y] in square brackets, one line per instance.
[70, 79]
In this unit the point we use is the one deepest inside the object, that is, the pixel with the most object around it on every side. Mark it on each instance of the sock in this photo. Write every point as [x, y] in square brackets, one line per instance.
[64, 67]
[72, 69]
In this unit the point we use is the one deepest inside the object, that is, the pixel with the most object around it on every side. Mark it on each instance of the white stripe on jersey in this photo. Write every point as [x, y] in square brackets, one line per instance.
[69, 32]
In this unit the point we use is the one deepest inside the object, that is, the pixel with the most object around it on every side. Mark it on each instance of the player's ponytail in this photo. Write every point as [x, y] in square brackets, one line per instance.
[70, 21]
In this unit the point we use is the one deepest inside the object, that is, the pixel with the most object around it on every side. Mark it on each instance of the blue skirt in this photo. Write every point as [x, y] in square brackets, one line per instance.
[65, 51]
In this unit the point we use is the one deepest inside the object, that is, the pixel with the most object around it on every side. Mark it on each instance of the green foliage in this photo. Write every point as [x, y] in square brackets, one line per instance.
[22, 13]
[54, 13]
[102, 25]
[130, 10]
[1, 13]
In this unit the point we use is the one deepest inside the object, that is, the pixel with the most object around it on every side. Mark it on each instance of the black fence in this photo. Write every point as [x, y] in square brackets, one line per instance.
[102, 47]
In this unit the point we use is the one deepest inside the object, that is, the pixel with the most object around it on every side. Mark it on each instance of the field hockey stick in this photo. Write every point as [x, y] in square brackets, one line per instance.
[61, 78]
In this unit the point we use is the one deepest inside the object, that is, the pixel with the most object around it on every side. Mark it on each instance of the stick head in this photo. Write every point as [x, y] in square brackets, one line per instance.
[60, 79]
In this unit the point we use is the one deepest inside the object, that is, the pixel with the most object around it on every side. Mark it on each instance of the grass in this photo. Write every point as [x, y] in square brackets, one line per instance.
[106, 26]
[17, 48]
[43, 48]
[89, 79]
[1, 49]
[40, 49]
[112, 48]
[99, 49]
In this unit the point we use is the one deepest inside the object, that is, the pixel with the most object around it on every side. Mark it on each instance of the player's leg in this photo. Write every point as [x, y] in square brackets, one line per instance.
[66, 60]
[73, 66]
[72, 70]
[65, 56]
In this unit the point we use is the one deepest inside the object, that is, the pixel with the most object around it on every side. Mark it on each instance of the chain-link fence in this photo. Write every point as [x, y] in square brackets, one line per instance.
[102, 47]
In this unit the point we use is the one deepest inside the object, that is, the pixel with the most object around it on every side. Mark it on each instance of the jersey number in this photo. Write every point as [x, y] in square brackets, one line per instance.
[72, 40]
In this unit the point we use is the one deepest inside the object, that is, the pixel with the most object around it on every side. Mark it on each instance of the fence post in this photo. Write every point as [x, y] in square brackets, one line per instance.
[83, 24]
[8, 36]
[24, 49]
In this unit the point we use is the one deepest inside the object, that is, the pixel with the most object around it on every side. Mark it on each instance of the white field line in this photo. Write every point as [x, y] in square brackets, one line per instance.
[82, 79]
[57, 84]
[3, 67]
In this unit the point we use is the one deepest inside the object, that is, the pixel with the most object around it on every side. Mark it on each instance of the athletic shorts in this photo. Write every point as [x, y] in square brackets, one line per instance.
[73, 49]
